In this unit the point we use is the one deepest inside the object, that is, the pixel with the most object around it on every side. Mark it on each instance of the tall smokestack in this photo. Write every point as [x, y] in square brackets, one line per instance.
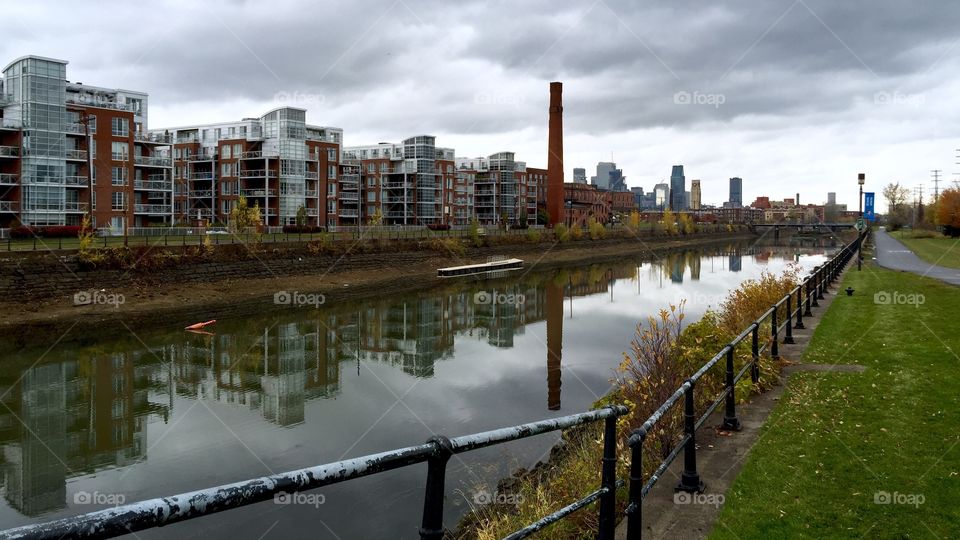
[555, 155]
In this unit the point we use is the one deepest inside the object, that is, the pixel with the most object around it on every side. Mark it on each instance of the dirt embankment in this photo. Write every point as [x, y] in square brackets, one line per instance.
[41, 290]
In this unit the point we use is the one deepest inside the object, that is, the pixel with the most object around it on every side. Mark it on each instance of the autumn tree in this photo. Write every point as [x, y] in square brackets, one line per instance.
[948, 211]
[898, 213]
[243, 217]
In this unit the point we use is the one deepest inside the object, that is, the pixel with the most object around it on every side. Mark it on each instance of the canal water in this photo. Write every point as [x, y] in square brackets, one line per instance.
[89, 423]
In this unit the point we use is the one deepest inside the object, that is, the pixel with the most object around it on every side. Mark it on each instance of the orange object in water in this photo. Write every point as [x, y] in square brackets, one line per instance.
[200, 325]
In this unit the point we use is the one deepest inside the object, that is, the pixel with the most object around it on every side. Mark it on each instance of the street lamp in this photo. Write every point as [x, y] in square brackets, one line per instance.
[861, 178]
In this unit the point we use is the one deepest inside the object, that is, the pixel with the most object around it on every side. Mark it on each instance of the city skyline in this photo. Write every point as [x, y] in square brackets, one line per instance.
[668, 114]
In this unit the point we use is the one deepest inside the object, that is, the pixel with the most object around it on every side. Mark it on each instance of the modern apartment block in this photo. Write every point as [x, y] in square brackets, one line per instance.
[277, 161]
[66, 148]
[505, 191]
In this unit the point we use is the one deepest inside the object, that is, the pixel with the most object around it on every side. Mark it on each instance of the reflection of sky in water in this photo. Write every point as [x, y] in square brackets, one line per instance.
[228, 397]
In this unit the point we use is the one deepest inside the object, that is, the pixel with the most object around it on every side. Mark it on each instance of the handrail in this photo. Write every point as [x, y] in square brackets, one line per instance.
[163, 511]
[815, 285]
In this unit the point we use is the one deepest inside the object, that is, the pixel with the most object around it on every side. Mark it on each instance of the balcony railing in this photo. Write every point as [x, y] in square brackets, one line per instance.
[152, 209]
[311, 175]
[155, 185]
[312, 211]
[7, 179]
[80, 181]
[348, 212]
[312, 193]
[75, 129]
[200, 157]
[76, 154]
[10, 123]
[258, 173]
[200, 176]
[151, 161]
[349, 196]
[257, 154]
[258, 192]
[157, 138]
[9, 206]
[103, 104]
[201, 193]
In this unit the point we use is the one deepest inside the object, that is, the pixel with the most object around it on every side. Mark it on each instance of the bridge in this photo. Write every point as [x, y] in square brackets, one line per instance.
[818, 227]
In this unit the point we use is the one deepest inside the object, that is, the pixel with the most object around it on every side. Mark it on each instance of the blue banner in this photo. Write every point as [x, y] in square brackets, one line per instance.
[868, 213]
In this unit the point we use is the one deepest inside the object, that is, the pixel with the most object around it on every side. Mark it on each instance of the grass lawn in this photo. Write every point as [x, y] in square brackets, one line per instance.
[942, 250]
[840, 445]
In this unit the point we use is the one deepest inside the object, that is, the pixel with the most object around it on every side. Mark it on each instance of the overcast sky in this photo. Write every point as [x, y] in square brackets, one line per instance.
[790, 95]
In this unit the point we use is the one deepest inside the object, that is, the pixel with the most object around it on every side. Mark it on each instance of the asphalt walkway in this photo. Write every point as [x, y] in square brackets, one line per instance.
[892, 254]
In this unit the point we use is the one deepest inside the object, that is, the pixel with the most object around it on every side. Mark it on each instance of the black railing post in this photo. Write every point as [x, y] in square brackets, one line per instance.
[815, 294]
[788, 339]
[775, 333]
[730, 420]
[608, 480]
[432, 525]
[755, 345]
[690, 480]
[820, 283]
[806, 310]
[635, 506]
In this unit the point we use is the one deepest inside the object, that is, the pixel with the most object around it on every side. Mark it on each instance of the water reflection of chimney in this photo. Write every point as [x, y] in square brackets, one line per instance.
[554, 308]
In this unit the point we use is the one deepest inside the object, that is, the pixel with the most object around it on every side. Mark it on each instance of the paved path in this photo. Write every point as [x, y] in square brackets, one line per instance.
[896, 256]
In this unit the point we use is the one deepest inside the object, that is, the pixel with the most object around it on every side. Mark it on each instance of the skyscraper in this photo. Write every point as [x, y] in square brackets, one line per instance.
[678, 189]
[602, 179]
[579, 175]
[662, 196]
[736, 192]
[695, 196]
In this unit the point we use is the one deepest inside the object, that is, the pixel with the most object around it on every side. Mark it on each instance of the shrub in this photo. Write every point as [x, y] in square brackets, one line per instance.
[576, 232]
[596, 229]
[475, 233]
[23, 231]
[323, 244]
[448, 245]
[69, 231]
[533, 236]
[562, 233]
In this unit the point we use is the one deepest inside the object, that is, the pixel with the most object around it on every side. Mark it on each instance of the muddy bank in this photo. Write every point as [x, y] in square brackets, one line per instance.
[193, 292]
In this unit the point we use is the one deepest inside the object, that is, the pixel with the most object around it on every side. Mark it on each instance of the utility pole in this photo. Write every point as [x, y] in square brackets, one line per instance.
[936, 184]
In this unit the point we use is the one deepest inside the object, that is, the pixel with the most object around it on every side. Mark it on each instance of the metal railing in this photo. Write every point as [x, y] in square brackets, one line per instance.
[814, 286]
[436, 452]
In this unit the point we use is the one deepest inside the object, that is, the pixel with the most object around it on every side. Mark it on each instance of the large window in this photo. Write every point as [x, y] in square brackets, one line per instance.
[118, 201]
[331, 154]
[120, 151]
[331, 172]
[120, 127]
[119, 176]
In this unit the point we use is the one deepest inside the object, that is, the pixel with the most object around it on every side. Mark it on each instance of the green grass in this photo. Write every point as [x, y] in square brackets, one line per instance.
[939, 250]
[838, 440]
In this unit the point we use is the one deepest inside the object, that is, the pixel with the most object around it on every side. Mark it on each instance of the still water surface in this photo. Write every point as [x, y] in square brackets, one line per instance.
[154, 412]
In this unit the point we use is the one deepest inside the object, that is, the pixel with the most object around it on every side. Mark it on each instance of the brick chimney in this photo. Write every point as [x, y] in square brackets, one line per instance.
[555, 155]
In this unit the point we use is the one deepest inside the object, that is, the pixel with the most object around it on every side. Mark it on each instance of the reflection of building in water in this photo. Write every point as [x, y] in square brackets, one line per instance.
[71, 418]
[410, 335]
[736, 261]
[677, 263]
[554, 309]
[693, 261]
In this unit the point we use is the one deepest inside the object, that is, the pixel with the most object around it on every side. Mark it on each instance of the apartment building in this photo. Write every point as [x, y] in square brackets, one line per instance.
[504, 190]
[277, 161]
[66, 148]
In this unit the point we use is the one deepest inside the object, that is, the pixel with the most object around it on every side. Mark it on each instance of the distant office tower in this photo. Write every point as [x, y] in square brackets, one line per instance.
[736, 192]
[602, 179]
[678, 189]
[695, 196]
[832, 198]
[637, 195]
[616, 181]
[579, 176]
[662, 196]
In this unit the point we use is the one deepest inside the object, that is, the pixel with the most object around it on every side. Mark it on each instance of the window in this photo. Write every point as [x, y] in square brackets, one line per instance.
[93, 176]
[93, 149]
[371, 196]
[372, 182]
[92, 121]
[119, 176]
[371, 210]
[120, 127]
[225, 169]
[371, 167]
[332, 172]
[225, 152]
[331, 154]
[93, 201]
[331, 207]
[118, 200]
[120, 151]
[237, 150]
[331, 189]
[178, 153]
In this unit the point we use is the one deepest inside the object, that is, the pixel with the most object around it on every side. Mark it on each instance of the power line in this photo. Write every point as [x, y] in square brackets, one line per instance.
[936, 184]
